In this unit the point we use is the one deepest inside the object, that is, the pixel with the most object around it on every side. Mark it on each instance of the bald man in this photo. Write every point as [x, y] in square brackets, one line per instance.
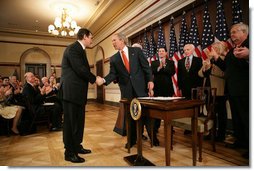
[188, 68]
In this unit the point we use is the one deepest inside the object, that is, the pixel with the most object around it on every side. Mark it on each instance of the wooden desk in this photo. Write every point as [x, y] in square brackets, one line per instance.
[168, 110]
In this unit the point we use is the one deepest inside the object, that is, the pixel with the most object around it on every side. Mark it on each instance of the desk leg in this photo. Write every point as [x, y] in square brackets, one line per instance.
[194, 123]
[139, 136]
[167, 135]
[152, 132]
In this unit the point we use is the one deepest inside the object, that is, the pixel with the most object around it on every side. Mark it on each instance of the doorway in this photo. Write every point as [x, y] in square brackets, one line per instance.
[36, 69]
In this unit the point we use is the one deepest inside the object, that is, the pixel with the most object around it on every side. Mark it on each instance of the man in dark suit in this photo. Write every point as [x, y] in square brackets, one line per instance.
[74, 86]
[187, 76]
[188, 68]
[163, 69]
[236, 69]
[36, 98]
[133, 72]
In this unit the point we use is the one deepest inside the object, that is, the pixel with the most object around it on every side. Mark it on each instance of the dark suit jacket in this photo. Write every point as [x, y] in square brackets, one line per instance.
[34, 97]
[187, 80]
[75, 74]
[163, 85]
[236, 72]
[140, 73]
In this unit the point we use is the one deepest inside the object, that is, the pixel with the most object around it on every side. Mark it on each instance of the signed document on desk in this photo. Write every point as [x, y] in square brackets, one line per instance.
[160, 98]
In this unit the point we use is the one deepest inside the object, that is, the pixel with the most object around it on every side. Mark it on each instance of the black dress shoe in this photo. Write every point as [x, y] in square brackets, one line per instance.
[84, 151]
[131, 145]
[14, 133]
[56, 129]
[74, 158]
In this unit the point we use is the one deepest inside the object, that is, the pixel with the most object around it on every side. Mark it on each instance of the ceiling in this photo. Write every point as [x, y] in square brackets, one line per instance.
[34, 16]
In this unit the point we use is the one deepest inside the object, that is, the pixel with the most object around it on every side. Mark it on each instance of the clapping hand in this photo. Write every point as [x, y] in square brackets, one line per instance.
[206, 64]
[241, 52]
[213, 54]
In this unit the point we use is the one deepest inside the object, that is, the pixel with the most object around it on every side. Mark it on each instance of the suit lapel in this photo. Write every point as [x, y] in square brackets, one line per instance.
[193, 62]
[157, 63]
[82, 54]
[131, 57]
[85, 59]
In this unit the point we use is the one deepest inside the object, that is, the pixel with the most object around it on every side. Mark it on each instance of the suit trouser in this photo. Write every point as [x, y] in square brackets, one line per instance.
[240, 116]
[222, 116]
[73, 126]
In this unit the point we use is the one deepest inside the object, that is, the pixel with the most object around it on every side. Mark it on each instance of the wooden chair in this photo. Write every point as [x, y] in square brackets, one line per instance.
[206, 123]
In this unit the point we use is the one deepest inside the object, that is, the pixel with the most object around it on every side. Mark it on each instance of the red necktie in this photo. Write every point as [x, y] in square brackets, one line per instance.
[126, 62]
[187, 64]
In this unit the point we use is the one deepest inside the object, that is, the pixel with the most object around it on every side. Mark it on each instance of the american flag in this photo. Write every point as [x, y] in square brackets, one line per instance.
[207, 36]
[173, 49]
[221, 28]
[146, 47]
[173, 54]
[153, 47]
[237, 12]
[184, 35]
[194, 35]
[161, 38]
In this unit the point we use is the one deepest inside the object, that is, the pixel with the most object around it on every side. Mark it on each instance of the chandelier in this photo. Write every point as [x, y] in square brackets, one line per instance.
[64, 25]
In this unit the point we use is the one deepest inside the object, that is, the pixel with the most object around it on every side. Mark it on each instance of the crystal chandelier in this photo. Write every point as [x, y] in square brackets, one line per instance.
[64, 25]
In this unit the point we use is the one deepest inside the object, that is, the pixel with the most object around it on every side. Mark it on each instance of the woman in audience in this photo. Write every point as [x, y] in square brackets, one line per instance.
[215, 79]
[53, 83]
[50, 91]
[9, 112]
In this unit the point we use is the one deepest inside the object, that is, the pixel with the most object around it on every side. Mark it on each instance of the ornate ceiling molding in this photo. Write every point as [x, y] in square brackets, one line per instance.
[138, 17]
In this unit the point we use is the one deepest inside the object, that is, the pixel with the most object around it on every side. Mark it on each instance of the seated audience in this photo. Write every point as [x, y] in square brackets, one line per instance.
[50, 92]
[36, 97]
[53, 83]
[9, 111]
[17, 97]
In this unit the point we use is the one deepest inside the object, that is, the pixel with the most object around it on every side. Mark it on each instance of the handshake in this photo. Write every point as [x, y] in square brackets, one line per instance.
[99, 81]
